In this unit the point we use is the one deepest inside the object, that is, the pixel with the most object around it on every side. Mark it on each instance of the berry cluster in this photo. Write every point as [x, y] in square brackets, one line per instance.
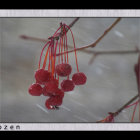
[47, 80]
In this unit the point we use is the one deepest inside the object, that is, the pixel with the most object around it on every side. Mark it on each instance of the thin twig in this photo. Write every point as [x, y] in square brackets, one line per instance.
[116, 52]
[95, 53]
[45, 40]
[134, 111]
[124, 106]
[73, 22]
[120, 52]
[91, 45]
[86, 51]
[120, 109]
[33, 38]
[97, 41]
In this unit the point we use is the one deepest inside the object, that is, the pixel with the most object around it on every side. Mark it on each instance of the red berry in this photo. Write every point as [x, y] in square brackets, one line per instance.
[60, 93]
[67, 85]
[53, 101]
[45, 93]
[35, 89]
[56, 100]
[55, 81]
[79, 78]
[42, 76]
[48, 105]
[50, 87]
[63, 69]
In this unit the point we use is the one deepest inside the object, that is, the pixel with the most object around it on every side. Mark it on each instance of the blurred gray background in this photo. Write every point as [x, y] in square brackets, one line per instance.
[111, 80]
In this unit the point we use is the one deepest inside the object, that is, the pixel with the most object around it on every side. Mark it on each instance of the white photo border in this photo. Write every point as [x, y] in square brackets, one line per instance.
[70, 13]
[70, 126]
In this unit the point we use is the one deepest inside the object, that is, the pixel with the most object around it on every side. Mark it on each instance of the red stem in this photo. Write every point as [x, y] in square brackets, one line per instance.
[74, 47]
[66, 45]
[45, 60]
[52, 61]
[57, 31]
[49, 62]
[42, 53]
[55, 53]
[64, 48]
[132, 104]
[134, 112]
[67, 49]
[61, 49]
[46, 45]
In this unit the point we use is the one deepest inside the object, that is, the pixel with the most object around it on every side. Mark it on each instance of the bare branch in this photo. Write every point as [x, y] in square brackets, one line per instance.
[97, 41]
[124, 106]
[45, 40]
